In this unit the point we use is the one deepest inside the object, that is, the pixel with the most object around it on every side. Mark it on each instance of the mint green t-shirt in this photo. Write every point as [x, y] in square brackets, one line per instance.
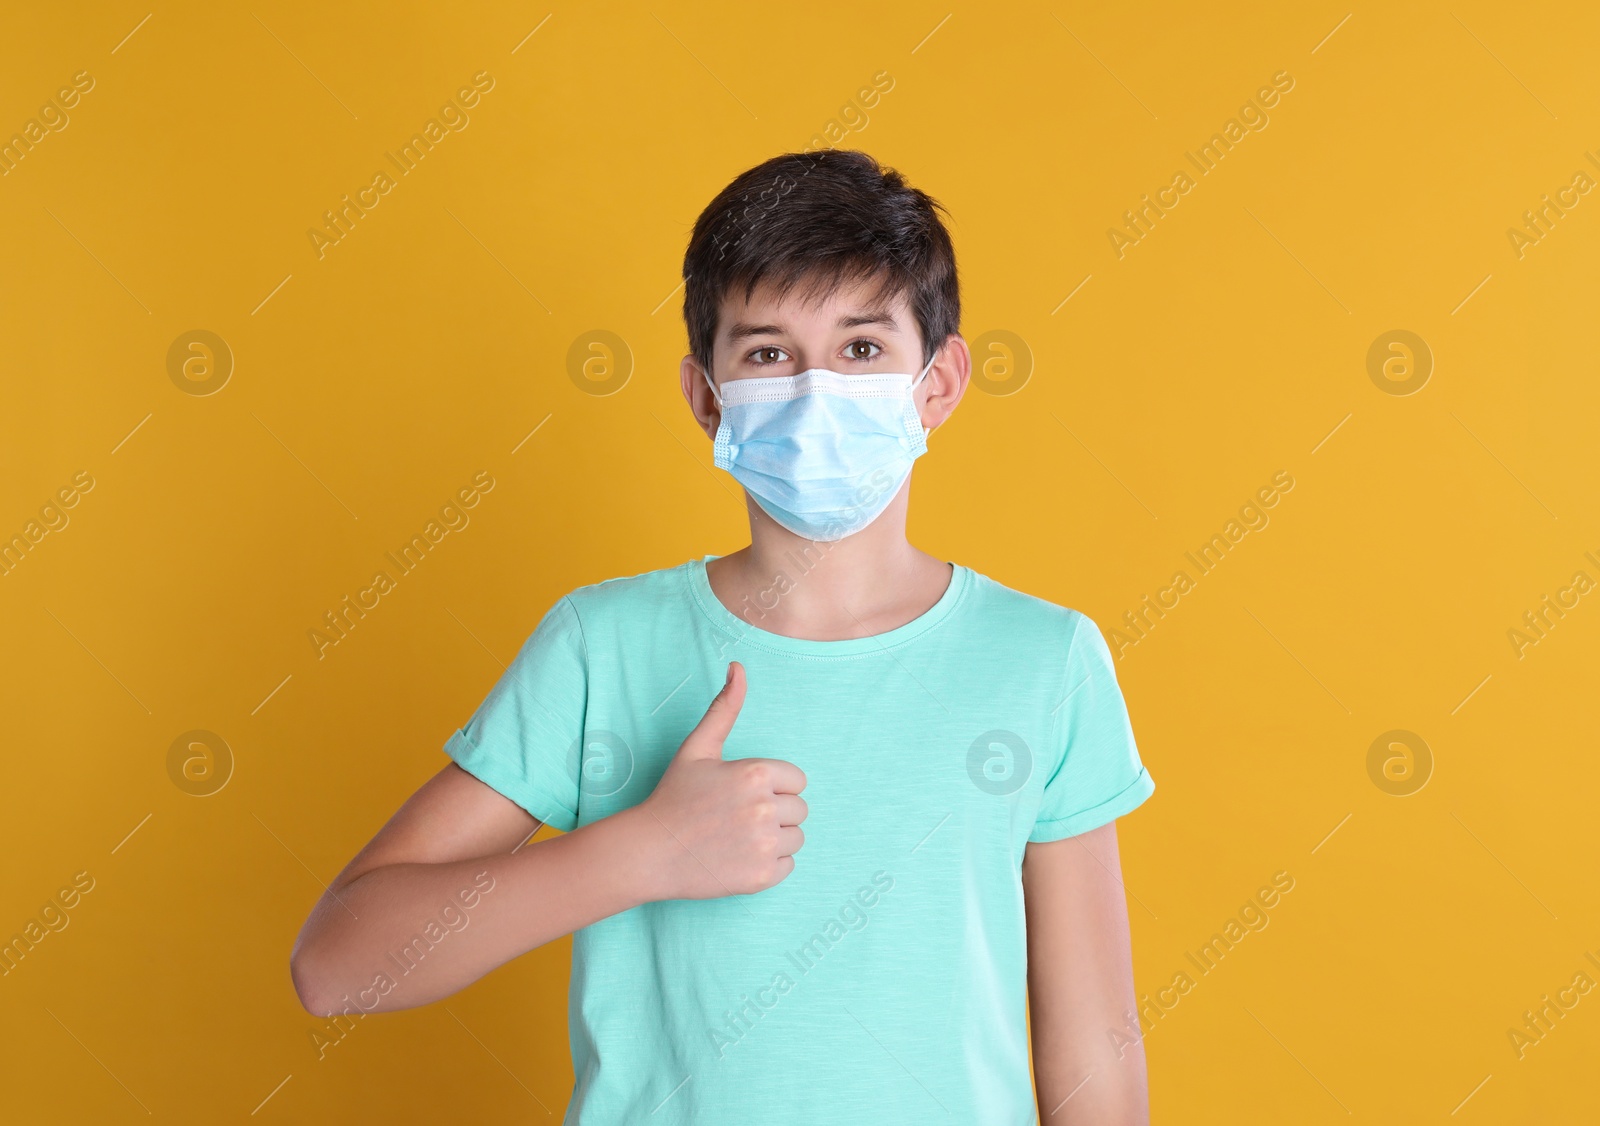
[885, 979]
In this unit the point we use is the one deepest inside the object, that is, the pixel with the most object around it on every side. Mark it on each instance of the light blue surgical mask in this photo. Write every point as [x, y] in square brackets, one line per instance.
[822, 453]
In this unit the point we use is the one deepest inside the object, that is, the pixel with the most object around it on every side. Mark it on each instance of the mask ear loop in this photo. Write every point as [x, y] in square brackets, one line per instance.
[715, 396]
[926, 430]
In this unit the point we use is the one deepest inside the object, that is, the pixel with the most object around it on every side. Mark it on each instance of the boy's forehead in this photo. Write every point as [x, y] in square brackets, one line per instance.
[850, 304]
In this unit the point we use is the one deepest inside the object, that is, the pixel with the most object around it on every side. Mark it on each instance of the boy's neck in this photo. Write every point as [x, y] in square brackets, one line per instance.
[860, 586]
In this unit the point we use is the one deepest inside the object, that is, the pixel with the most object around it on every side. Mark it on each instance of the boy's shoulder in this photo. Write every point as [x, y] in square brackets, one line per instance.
[661, 585]
[1048, 630]
[1011, 603]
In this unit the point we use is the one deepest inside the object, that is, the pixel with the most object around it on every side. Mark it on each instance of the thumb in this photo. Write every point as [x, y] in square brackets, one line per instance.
[705, 741]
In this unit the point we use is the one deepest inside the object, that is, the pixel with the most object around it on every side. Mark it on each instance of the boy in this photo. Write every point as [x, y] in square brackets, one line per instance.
[956, 751]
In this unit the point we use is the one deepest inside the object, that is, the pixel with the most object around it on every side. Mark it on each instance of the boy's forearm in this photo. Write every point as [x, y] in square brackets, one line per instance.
[394, 937]
[1079, 1078]
[1088, 1059]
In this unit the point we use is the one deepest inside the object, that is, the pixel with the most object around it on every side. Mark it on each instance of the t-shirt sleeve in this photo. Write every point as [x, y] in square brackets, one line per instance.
[1098, 776]
[521, 739]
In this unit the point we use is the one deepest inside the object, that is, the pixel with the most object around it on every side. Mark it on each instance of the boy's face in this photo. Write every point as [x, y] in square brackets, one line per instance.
[846, 332]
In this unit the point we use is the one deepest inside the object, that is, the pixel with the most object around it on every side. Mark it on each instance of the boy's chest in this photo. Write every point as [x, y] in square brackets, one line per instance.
[894, 760]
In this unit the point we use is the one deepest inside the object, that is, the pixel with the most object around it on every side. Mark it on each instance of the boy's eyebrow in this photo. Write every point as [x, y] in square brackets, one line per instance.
[741, 330]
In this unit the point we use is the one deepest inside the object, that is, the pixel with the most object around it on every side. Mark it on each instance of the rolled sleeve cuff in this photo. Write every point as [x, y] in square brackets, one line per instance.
[1130, 797]
[509, 781]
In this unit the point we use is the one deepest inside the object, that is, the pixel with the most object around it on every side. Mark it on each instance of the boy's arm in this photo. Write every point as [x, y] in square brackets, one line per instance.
[438, 899]
[449, 845]
[1080, 984]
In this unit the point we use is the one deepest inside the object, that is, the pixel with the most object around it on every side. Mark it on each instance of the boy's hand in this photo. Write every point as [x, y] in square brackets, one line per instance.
[733, 827]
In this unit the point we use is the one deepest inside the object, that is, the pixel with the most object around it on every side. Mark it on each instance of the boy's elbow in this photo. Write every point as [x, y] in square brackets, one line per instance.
[304, 986]
[309, 984]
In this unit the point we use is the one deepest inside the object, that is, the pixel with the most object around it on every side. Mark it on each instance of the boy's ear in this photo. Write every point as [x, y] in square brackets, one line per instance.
[947, 381]
[696, 391]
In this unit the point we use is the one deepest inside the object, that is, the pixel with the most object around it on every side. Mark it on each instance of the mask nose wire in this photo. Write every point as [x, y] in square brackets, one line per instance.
[717, 396]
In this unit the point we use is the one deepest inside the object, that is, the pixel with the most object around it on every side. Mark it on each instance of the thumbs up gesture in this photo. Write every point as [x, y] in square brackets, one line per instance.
[731, 828]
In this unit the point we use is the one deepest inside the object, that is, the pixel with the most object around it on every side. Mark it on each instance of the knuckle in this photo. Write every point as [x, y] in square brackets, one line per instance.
[753, 772]
[760, 877]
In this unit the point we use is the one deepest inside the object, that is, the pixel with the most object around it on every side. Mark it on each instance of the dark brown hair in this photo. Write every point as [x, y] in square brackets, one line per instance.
[818, 220]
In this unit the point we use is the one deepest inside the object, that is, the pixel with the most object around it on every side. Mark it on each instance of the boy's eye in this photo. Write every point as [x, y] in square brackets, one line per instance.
[851, 349]
[769, 355]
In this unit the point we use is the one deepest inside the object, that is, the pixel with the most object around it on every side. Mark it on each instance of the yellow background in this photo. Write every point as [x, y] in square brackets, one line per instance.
[372, 383]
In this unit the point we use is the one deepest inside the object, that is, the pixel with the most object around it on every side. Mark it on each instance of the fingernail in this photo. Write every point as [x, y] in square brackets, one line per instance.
[727, 680]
